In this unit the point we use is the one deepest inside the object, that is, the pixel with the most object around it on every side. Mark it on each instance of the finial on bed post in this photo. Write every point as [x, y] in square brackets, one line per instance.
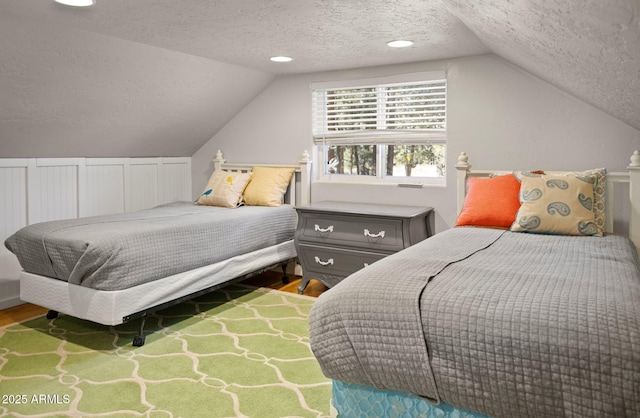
[305, 177]
[463, 168]
[218, 160]
[305, 157]
[634, 198]
[635, 160]
[463, 162]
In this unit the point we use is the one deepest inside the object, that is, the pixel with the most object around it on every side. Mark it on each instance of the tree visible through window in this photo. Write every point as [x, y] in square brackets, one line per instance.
[416, 160]
[352, 159]
[384, 130]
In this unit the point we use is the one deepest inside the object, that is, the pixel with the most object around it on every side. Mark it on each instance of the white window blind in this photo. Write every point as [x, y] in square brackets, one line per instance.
[379, 113]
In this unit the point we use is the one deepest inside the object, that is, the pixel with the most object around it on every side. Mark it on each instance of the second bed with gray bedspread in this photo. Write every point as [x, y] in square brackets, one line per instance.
[119, 251]
[510, 325]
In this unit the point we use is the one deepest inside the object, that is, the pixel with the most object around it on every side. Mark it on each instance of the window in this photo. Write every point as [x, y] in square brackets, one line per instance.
[382, 130]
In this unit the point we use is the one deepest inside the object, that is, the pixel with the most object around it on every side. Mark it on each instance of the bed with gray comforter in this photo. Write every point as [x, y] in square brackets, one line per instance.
[120, 251]
[506, 324]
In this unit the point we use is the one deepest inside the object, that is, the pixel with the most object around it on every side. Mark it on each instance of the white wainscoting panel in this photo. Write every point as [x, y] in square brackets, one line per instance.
[43, 189]
[176, 172]
[13, 216]
[13, 203]
[52, 189]
[104, 189]
[143, 187]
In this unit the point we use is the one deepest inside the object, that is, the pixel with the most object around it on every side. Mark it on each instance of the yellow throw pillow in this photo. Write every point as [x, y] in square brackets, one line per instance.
[557, 204]
[267, 186]
[224, 189]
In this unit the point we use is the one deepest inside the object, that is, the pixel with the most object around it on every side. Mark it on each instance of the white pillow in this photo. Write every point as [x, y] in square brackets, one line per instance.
[224, 188]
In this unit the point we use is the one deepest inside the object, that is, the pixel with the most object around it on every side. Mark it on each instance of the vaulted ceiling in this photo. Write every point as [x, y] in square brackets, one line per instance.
[154, 77]
[589, 48]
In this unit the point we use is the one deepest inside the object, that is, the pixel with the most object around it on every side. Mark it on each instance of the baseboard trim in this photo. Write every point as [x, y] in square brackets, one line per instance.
[10, 302]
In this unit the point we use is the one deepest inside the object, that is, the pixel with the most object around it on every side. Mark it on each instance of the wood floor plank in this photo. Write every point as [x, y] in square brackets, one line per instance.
[20, 313]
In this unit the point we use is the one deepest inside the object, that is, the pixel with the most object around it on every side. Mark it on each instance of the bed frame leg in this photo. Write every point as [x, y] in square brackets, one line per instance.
[285, 278]
[52, 314]
[138, 340]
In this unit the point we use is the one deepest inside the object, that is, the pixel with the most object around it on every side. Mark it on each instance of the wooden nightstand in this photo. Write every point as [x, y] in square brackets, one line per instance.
[335, 239]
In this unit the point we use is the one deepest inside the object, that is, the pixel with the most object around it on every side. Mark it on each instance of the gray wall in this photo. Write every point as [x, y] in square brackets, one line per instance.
[65, 92]
[501, 116]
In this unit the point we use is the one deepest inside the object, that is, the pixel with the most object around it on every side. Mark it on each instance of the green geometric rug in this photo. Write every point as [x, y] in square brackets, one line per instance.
[237, 352]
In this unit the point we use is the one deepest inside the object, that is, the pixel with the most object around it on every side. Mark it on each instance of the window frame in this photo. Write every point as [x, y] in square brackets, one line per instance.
[381, 138]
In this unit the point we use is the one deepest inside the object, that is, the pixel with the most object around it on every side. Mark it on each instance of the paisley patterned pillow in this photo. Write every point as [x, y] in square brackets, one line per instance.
[224, 189]
[520, 174]
[598, 196]
[599, 188]
[557, 204]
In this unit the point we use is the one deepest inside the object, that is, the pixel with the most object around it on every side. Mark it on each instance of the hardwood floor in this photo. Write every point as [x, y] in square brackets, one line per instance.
[270, 279]
[20, 313]
[273, 280]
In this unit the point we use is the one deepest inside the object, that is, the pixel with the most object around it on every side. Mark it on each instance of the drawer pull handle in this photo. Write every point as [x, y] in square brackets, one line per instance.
[370, 235]
[324, 263]
[327, 229]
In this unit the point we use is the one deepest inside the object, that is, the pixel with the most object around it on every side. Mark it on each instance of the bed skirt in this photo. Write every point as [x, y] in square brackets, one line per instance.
[110, 307]
[358, 401]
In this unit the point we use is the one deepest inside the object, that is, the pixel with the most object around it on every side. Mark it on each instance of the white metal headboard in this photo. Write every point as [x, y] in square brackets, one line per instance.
[630, 178]
[302, 174]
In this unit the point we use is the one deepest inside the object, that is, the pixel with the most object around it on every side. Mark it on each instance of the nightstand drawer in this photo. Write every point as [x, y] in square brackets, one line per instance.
[334, 261]
[355, 231]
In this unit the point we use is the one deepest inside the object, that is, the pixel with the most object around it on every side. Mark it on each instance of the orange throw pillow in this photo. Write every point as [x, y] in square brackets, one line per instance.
[491, 202]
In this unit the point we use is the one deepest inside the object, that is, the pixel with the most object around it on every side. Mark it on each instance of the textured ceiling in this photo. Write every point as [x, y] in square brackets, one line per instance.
[161, 77]
[589, 48]
[319, 34]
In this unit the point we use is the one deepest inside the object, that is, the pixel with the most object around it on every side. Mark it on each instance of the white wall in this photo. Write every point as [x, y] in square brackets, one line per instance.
[503, 117]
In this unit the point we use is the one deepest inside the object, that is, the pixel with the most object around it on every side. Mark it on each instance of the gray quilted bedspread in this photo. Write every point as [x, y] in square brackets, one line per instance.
[118, 251]
[507, 324]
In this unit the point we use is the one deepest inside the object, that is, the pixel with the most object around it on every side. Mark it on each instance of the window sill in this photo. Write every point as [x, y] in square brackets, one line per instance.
[404, 185]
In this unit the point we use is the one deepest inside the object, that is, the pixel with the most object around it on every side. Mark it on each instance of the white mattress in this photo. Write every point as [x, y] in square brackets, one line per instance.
[110, 307]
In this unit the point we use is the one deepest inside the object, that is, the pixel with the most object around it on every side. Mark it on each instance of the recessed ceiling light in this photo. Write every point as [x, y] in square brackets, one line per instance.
[400, 44]
[77, 3]
[281, 59]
